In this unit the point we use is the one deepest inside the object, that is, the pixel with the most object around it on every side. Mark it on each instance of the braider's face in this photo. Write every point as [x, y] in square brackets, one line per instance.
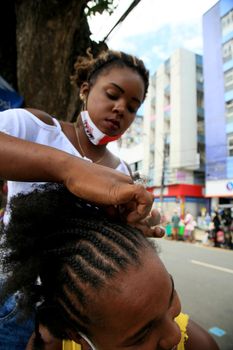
[138, 310]
[114, 98]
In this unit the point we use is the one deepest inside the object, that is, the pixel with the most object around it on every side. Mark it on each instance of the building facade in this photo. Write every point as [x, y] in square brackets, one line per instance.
[218, 102]
[131, 145]
[174, 133]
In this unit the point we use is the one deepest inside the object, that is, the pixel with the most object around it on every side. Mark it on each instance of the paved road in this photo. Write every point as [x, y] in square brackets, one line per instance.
[204, 280]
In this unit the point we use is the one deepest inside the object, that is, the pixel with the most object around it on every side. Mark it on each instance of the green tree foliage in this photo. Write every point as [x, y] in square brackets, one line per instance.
[99, 6]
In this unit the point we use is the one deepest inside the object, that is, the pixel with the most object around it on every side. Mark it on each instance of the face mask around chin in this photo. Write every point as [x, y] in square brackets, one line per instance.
[95, 135]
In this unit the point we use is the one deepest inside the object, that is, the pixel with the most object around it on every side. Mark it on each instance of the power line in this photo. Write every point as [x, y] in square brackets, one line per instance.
[123, 17]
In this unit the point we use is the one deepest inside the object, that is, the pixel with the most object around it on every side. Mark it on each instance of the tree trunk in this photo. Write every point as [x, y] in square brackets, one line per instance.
[8, 42]
[50, 34]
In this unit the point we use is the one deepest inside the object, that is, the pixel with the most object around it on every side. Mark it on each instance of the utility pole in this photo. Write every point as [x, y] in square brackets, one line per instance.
[163, 171]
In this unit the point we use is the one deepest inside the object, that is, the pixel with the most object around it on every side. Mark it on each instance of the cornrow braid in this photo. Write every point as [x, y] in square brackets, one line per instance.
[61, 251]
[87, 68]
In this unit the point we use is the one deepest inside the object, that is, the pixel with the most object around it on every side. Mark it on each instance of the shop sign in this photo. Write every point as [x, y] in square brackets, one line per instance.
[229, 186]
[219, 188]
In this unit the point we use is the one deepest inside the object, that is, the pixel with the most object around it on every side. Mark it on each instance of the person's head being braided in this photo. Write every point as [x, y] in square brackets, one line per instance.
[87, 275]
[74, 249]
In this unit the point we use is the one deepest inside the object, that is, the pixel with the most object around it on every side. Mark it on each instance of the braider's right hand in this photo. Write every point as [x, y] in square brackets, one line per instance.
[105, 186]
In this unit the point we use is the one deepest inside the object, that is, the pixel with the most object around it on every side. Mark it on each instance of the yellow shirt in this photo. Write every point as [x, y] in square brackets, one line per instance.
[181, 320]
[70, 345]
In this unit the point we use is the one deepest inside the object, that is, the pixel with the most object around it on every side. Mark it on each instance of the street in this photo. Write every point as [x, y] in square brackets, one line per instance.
[204, 280]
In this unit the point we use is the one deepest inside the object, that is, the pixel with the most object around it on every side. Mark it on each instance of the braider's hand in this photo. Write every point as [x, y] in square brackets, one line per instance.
[104, 186]
[134, 203]
[150, 226]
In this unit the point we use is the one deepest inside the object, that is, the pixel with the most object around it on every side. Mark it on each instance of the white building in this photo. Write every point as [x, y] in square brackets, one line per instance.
[218, 74]
[131, 145]
[174, 133]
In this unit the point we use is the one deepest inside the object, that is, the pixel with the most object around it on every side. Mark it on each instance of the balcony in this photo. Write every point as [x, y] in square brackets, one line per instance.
[167, 139]
[167, 115]
[227, 37]
[199, 87]
[167, 90]
[200, 113]
[152, 147]
[167, 112]
[201, 138]
[228, 96]
[199, 60]
[227, 65]
[167, 66]
[229, 119]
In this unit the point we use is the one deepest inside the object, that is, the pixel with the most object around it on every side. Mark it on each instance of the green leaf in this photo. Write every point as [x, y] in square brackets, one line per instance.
[99, 6]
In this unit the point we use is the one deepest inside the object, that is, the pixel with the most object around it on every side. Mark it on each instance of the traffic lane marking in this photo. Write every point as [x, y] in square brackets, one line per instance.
[217, 331]
[224, 269]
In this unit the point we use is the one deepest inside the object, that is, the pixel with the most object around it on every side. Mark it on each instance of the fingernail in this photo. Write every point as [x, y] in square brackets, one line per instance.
[160, 230]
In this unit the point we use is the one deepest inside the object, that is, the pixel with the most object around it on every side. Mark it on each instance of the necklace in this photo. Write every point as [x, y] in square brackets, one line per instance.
[80, 146]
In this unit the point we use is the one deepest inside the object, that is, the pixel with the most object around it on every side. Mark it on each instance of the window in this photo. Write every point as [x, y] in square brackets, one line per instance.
[230, 145]
[199, 75]
[200, 127]
[228, 76]
[227, 23]
[153, 105]
[229, 109]
[227, 50]
[133, 136]
[228, 79]
[200, 101]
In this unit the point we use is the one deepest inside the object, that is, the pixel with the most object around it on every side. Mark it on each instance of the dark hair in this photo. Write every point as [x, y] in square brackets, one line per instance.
[61, 252]
[87, 68]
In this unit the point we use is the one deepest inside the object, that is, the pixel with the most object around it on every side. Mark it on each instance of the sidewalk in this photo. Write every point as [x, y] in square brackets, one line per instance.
[200, 239]
[199, 234]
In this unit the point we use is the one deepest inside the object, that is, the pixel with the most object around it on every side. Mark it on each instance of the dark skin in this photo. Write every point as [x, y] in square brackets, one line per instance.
[198, 338]
[112, 100]
[27, 161]
[149, 225]
[143, 322]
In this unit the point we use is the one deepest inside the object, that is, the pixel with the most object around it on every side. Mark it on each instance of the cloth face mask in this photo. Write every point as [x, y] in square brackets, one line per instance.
[94, 134]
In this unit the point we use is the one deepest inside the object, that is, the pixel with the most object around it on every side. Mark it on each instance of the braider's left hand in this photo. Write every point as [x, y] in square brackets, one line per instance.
[150, 226]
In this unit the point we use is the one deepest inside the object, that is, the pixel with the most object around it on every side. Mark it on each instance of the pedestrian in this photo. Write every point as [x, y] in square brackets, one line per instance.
[35, 147]
[226, 226]
[207, 220]
[175, 225]
[231, 236]
[220, 238]
[217, 226]
[189, 227]
[93, 281]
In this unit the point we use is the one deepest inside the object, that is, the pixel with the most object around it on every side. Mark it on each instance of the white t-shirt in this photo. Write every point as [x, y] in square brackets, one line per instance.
[23, 124]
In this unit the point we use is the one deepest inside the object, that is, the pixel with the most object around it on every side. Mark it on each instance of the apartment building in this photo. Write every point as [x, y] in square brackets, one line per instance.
[131, 145]
[174, 133]
[218, 102]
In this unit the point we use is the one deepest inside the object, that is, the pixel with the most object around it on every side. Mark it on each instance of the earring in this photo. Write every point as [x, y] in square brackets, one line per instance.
[83, 99]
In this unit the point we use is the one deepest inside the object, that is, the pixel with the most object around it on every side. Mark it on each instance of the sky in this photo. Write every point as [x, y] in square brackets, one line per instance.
[154, 29]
